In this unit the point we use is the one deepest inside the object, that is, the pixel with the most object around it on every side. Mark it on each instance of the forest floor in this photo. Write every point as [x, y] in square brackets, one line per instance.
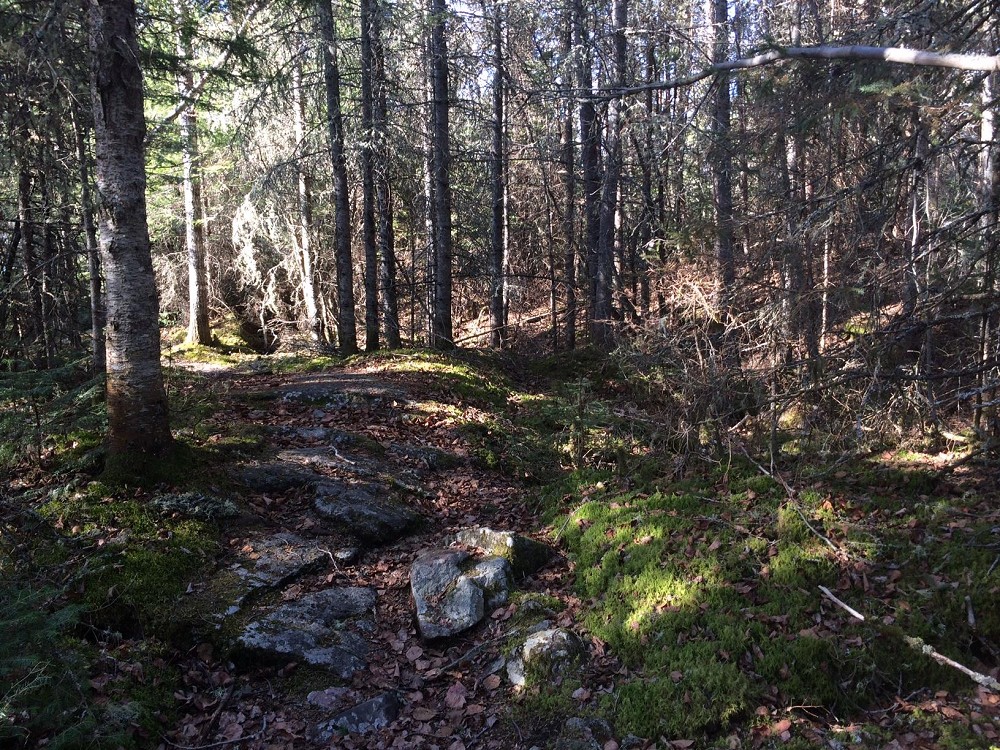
[710, 593]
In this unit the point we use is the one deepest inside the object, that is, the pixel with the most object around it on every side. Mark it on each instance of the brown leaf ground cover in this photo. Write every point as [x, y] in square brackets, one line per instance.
[698, 589]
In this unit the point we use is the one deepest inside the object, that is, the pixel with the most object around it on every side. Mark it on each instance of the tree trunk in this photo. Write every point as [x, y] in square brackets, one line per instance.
[199, 331]
[498, 229]
[136, 400]
[383, 192]
[305, 224]
[347, 337]
[603, 323]
[368, 181]
[569, 211]
[442, 334]
[722, 161]
[26, 215]
[590, 154]
[93, 257]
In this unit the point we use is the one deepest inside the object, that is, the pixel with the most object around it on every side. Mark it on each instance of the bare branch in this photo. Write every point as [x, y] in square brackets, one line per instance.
[855, 52]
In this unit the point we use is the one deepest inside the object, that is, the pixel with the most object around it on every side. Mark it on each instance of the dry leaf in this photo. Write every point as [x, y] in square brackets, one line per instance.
[413, 653]
[424, 714]
[455, 698]
[492, 682]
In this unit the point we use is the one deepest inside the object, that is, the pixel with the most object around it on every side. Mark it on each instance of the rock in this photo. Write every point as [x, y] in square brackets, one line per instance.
[357, 509]
[452, 591]
[333, 699]
[583, 734]
[426, 457]
[274, 476]
[545, 655]
[525, 555]
[263, 564]
[347, 555]
[311, 629]
[495, 577]
[448, 602]
[377, 713]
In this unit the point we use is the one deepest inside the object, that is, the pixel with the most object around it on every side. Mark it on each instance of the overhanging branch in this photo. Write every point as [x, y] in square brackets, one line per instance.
[897, 55]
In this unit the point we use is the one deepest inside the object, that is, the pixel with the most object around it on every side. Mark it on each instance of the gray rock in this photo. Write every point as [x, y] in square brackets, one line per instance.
[312, 629]
[426, 457]
[276, 560]
[359, 510]
[377, 713]
[273, 476]
[495, 577]
[525, 555]
[347, 555]
[545, 655]
[447, 601]
[583, 734]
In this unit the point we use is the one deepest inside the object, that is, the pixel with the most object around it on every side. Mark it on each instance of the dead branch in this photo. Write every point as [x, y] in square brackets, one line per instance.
[853, 52]
[847, 608]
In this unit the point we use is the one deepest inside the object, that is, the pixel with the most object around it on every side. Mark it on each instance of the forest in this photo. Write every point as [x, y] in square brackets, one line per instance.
[499, 374]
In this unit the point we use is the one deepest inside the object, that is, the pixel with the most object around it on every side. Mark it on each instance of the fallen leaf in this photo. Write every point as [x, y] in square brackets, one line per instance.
[581, 694]
[455, 698]
[782, 726]
[676, 676]
[474, 708]
[492, 682]
[424, 714]
[413, 653]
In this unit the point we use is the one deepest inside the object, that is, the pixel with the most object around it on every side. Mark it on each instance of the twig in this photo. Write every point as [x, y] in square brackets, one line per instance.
[978, 677]
[847, 608]
[471, 652]
[221, 743]
[205, 730]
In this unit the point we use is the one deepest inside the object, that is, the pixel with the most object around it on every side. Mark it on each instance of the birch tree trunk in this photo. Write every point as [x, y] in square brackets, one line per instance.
[347, 337]
[137, 402]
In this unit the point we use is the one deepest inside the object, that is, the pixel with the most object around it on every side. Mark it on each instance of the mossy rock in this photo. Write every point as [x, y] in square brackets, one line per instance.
[524, 555]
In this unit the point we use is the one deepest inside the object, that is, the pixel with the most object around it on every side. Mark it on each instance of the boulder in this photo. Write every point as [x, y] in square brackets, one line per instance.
[377, 713]
[525, 555]
[545, 655]
[358, 509]
[447, 601]
[452, 591]
[311, 629]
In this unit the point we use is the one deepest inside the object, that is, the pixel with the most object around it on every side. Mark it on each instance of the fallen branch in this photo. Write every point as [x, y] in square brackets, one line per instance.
[978, 677]
[847, 608]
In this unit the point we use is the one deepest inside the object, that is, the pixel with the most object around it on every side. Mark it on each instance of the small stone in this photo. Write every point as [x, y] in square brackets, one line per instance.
[544, 655]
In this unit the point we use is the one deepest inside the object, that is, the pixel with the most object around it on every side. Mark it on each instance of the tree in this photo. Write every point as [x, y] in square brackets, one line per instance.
[442, 336]
[347, 337]
[199, 331]
[137, 402]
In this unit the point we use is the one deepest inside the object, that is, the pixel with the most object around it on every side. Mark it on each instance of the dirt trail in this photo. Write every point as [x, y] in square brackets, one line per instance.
[353, 429]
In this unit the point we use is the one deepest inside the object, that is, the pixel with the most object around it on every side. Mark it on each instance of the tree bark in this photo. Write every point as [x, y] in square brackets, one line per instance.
[136, 400]
[441, 329]
[347, 338]
[98, 354]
